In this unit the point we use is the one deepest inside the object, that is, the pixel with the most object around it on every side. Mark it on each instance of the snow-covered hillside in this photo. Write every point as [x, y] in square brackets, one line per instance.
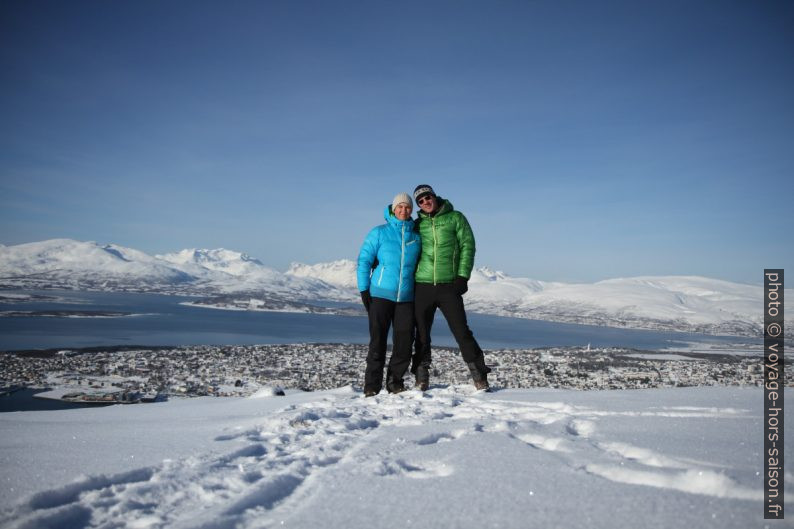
[446, 458]
[689, 303]
[65, 263]
[341, 273]
[72, 263]
[236, 264]
[230, 271]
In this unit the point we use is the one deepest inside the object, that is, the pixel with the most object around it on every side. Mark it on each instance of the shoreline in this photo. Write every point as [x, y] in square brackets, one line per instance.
[749, 328]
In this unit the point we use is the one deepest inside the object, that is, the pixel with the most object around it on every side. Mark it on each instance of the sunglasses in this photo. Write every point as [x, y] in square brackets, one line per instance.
[422, 200]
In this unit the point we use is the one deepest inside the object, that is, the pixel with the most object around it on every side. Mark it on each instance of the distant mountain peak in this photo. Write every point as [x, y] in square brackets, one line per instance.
[491, 274]
[220, 260]
[86, 262]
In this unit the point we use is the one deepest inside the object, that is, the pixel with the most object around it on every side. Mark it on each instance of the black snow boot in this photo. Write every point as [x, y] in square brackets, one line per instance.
[395, 386]
[423, 377]
[479, 375]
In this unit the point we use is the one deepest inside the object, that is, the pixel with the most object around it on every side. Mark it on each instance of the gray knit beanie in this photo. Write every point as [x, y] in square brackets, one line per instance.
[402, 198]
[423, 189]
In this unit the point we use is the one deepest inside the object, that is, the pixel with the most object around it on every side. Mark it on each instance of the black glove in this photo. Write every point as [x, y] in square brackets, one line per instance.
[366, 299]
[461, 285]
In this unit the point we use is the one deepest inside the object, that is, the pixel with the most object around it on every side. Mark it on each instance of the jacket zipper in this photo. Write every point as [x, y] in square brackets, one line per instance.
[402, 257]
[435, 249]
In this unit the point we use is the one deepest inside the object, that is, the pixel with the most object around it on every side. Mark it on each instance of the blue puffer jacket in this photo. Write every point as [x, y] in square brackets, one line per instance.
[396, 247]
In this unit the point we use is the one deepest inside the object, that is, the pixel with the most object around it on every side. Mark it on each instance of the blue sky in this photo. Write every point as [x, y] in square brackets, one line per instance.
[583, 140]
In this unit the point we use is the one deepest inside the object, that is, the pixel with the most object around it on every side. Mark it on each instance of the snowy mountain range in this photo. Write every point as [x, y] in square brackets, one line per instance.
[681, 303]
[70, 264]
[230, 279]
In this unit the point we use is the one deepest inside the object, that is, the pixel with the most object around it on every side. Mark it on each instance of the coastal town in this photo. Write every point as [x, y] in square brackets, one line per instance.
[126, 375]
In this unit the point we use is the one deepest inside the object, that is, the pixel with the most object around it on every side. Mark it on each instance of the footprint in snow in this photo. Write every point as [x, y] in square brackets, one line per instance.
[441, 437]
[417, 470]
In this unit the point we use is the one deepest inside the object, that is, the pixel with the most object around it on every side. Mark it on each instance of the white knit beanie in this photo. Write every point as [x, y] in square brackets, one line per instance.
[402, 198]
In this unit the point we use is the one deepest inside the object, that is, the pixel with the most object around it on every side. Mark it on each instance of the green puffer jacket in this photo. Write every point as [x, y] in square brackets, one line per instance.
[447, 245]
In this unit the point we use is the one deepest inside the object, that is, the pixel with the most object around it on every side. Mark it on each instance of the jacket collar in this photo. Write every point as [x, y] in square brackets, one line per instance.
[445, 206]
[394, 221]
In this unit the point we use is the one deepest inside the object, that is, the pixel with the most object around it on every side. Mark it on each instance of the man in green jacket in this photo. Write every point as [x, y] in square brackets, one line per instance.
[442, 276]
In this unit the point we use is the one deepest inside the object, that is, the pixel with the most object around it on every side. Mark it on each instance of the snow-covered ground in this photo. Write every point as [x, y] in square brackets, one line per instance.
[450, 457]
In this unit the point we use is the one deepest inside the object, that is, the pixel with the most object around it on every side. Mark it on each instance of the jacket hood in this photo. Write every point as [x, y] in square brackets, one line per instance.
[394, 221]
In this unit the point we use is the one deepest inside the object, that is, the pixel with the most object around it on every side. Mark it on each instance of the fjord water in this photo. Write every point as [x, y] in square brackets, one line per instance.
[163, 320]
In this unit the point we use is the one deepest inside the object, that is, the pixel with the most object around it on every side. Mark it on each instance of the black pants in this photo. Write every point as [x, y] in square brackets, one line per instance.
[382, 315]
[427, 299]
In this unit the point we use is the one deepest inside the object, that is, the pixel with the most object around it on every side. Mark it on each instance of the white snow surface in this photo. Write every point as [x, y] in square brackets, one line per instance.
[447, 458]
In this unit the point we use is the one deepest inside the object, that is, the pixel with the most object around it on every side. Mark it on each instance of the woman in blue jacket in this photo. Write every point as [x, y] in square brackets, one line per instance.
[386, 266]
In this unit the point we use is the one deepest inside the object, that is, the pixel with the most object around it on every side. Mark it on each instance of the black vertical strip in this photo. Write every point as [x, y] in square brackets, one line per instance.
[774, 384]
